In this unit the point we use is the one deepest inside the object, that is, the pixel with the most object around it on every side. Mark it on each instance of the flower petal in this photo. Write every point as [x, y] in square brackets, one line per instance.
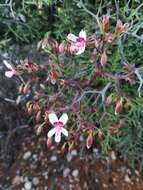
[81, 50]
[64, 118]
[82, 34]
[64, 131]
[7, 65]
[53, 118]
[58, 137]
[9, 74]
[51, 133]
[72, 37]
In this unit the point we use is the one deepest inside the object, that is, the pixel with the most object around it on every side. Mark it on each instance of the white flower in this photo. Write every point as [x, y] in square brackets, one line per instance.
[11, 71]
[58, 126]
[78, 43]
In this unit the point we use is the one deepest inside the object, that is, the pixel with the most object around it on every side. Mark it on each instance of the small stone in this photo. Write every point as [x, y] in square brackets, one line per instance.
[35, 181]
[137, 173]
[113, 155]
[53, 158]
[74, 152]
[95, 150]
[137, 179]
[35, 157]
[69, 157]
[22, 179]
[105, 185]
[16, 180]
[66, 172]
[27, 155]
[128, 171]
[28, 185]
[75, 173]
[127, 179]
[45, 174]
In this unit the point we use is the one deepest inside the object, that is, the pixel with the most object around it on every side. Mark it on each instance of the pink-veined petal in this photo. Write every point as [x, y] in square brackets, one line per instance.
[64, 118]
[72, 37]
[9, 74]
[81, 50]
[64, 131]
[82, 34]
[53, 118]
[7, 65]
[58, 137]
[51, 133]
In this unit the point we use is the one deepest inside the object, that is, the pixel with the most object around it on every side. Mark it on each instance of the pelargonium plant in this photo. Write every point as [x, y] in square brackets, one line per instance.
[89, 103]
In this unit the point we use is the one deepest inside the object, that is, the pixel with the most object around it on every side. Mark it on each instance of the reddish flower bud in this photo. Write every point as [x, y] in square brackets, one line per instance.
[20, 90]
[89, 141]
[25, 88]
[105, 24]
[39, 130]
[62, 47]
[118, 107]
[100, 135]
[49, 142]
[38, 116]
[120, 28]
[30, 109]
[104, 58]
[53, 76]
[108, 38]
[126, 105]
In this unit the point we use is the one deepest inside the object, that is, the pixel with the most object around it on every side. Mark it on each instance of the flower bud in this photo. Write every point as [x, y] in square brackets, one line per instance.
[62, 47]
[126, 105]
[39, 130]
[118, 107]
[28, 104]
[100, 135]
[89, 141]
[53, 76]
[49, 142]
[25, 88]
[20, 90]
[71, 147]
[38, 116]
[105, 24]
[103, 59]
[109, 100]
[30, 109]
[120, 28]
[63, 149]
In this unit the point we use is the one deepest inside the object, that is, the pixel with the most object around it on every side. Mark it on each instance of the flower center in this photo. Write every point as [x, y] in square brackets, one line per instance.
[58, 124]
[80, 42]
